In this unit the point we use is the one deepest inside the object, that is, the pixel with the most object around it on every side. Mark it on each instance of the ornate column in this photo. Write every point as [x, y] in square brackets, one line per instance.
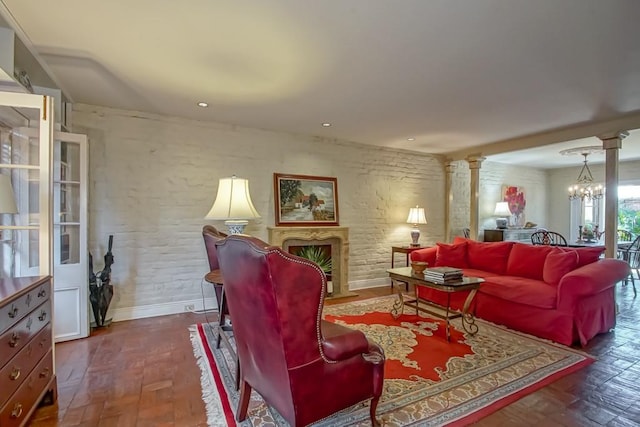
[611, 143]
[450, 168]
[475, 163]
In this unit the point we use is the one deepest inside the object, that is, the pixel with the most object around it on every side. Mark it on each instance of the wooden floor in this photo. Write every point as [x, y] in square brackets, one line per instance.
[143, 373]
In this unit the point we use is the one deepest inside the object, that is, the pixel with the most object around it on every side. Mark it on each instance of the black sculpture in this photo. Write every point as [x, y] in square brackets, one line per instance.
[100, 287]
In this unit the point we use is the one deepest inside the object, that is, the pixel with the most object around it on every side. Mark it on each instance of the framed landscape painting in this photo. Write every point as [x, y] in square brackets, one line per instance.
[305, 200]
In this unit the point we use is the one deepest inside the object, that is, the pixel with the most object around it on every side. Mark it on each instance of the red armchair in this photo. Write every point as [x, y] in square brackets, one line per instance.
[304, 367]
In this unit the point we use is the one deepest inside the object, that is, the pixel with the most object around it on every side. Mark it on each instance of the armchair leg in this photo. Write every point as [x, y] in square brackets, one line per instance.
[243, 403]
[372, 411]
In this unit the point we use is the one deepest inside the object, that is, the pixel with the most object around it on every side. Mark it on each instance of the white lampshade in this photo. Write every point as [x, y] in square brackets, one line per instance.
[416, 216]
[502, 209]
[233, 204]
[7, 200]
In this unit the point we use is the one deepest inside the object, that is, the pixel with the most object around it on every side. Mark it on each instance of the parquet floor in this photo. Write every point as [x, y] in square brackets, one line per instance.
[143, 373]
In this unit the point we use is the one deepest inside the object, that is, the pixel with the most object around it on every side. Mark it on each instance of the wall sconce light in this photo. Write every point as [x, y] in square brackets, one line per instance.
[233, 204]
[502, 211]
[416, 216]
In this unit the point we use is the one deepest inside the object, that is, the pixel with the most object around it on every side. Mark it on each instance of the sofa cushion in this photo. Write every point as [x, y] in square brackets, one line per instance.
[521, 290]
[527, 260]
[452, 255]
[587, 254]
[488, 256]
[558, 263]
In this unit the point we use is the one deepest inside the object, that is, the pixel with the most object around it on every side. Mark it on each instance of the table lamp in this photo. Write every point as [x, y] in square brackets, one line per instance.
[233, 204]
[416, 216]
[502, 211]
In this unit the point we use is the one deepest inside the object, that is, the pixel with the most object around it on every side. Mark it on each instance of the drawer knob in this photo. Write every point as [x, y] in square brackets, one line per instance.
[15, 374]
[15, 337]
[17, 410]
[43, 315]
[13, 312]
[44, 373]
[42, 293]
[28, 301]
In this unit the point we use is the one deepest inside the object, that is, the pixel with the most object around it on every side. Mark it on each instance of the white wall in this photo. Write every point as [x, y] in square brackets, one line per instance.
[492, 177]
[153, 178]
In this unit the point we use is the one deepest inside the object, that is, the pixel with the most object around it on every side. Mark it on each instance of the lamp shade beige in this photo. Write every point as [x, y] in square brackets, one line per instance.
[7, 200]
[416, 216]
[502, 209]
[233, 201]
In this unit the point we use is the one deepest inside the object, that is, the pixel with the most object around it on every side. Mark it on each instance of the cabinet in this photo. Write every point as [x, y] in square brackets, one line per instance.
[26, 348]
[522, 235]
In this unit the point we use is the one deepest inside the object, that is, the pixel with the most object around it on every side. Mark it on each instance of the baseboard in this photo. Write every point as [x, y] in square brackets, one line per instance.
[163, 309]
[175, 307]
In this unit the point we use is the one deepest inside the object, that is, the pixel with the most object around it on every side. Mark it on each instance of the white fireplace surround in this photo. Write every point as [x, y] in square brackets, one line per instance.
[337, 237]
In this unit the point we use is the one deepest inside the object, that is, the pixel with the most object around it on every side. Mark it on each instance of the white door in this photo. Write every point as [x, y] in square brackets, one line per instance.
[70, 253]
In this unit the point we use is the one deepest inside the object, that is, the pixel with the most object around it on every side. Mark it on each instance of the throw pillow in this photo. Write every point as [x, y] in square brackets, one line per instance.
[558, 263]
[489, 256]
[451, 255]
[587, 255]
[527, 260]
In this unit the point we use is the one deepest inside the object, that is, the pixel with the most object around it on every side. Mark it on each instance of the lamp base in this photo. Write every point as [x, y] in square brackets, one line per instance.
[236, 226]
[501, 223]
[415, 235]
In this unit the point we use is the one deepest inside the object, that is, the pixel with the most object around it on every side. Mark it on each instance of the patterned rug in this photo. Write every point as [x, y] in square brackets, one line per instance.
[428, 381]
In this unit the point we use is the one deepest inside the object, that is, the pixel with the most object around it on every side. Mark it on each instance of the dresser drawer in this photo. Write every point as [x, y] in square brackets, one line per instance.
[23, 402]
[12, 341]
[18, 368]
[11, 313]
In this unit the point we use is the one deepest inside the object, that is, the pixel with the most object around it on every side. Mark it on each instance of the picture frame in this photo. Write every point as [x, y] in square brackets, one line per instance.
[303, 200]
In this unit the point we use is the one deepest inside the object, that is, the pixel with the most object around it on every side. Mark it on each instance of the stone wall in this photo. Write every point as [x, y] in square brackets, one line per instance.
[153, 178]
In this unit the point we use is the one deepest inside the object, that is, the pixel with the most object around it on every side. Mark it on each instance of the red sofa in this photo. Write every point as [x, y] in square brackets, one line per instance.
[561, 294]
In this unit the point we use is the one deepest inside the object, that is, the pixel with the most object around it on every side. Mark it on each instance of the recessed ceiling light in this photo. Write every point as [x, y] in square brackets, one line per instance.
[326, 125]
[411, 139]
[203, 104]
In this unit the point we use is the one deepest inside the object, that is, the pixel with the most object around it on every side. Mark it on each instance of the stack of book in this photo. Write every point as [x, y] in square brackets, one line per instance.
[443, 275]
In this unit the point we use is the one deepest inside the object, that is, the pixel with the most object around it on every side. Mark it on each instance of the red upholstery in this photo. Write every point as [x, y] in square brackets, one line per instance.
[305, 368]
[452, 255]
[562, 294]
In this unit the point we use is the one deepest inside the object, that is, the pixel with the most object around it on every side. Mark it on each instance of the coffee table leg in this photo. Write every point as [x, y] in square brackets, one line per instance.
[468, 319]
[398, 306]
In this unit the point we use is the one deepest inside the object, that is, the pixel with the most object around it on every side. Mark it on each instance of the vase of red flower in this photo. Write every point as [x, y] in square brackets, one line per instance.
[517, 203]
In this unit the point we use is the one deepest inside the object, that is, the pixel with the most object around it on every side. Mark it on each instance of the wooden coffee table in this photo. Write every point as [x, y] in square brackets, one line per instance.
[405, 274]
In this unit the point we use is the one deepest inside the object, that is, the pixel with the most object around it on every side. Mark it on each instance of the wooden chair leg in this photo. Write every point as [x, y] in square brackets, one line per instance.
[372, 412]
[243, 403]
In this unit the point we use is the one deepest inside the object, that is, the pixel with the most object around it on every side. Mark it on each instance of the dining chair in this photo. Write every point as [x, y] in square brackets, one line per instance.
[624, 235]
[548, 238]
[631, 254]
[466, 232]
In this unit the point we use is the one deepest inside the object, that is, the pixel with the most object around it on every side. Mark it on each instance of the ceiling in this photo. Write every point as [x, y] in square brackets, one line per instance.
[453, 75]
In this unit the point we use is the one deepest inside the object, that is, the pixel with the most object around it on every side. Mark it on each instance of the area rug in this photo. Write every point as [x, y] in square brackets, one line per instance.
[428, 381]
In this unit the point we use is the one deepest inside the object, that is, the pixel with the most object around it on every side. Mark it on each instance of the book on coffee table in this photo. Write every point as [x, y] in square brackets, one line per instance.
[443, 275]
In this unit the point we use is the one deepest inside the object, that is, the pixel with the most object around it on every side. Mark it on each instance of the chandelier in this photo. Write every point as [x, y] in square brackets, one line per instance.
[585, 188]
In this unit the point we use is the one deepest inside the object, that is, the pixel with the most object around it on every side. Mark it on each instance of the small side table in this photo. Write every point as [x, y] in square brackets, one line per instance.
[403, 250]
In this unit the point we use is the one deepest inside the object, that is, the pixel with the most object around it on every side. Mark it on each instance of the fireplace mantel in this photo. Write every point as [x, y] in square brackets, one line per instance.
[279, 236]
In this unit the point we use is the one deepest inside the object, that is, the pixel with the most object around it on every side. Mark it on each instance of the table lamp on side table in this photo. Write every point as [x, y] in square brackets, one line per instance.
[233, 204]
[416, 216]
[502, 211]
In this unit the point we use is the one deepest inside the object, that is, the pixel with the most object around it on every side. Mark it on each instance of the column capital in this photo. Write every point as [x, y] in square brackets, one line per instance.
[475, 162]
[450, 167]
[613, 140]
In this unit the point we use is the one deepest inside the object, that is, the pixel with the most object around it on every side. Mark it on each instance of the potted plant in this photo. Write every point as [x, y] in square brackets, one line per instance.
[318, 255]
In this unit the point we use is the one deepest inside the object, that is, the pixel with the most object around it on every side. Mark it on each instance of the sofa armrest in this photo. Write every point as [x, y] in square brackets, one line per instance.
[340, 343]
[590, 279]
[426, 254]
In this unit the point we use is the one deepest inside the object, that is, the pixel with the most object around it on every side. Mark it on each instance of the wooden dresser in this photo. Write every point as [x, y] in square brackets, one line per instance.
[26, 348]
